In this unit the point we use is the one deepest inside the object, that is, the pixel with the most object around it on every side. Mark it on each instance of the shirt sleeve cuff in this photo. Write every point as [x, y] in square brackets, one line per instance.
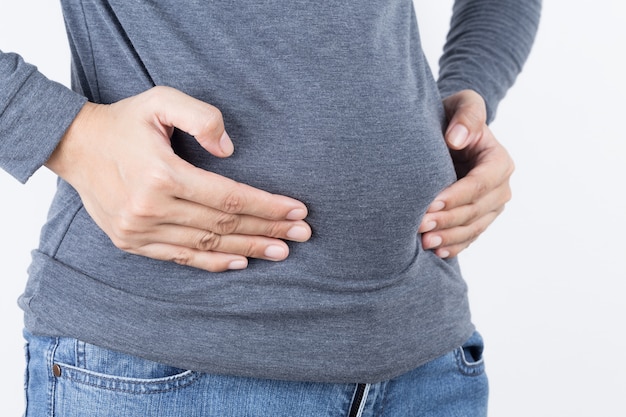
[34, 122]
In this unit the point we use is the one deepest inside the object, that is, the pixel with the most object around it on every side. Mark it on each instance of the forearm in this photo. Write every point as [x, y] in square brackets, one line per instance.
[35, 112]
[487, 45]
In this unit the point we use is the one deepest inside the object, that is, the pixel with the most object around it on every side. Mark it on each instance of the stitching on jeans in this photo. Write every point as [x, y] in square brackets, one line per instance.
[51, 379]
[470, 369]
[177, 381]
[26, 376]
[81, 359]
[467, 362]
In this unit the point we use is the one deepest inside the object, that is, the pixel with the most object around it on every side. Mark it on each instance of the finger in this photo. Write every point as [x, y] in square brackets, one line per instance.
[451, 242]
[250, 246]
[468, 191]
[209, 261]
[465, 214]
[185, 213]
[228, 196]
[467, 116]
[203, 121]
[491, 172]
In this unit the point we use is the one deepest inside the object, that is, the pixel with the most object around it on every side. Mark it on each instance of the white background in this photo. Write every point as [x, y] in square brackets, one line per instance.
[546, 280]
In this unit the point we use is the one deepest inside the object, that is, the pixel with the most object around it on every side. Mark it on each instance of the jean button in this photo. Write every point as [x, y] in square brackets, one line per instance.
[56, 370]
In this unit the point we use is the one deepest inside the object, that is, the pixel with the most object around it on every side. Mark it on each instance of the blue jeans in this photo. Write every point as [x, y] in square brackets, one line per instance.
[69, 378]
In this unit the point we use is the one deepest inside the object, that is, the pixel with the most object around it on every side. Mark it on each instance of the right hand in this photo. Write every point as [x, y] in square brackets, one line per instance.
[151, 202]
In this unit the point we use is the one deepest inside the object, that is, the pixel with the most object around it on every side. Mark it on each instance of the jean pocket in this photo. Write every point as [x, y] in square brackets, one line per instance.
[469, 356]
[103, 368]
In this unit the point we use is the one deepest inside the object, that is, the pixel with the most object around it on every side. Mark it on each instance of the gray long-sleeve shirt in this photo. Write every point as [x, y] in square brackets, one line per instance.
[331, 103]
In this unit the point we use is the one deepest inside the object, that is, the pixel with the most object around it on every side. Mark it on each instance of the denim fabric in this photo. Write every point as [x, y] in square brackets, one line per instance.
[69, 378]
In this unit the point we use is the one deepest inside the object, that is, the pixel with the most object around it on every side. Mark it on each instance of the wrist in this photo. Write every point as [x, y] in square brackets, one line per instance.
[465, 98]
[68, 150]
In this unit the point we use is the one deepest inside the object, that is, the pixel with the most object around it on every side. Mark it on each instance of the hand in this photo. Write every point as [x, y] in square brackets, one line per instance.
[151, 202]
[461, 212]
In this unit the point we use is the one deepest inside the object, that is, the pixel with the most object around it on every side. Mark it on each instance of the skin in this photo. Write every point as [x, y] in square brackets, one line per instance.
[150, 202]
[463, 211]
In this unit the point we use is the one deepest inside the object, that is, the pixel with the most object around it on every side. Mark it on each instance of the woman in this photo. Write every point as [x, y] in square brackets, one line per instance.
[156, 289]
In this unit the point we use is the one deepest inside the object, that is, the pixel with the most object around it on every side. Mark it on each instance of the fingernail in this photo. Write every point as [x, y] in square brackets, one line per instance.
[437, 206]
[458, 135]
[298, 233]
[296, 214]
[444, 254]
[275, 252]
[238, 264]
[428, 226]
[226, 145]
[434, 242]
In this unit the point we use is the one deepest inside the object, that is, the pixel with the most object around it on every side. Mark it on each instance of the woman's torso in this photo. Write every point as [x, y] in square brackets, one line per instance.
[331, 103]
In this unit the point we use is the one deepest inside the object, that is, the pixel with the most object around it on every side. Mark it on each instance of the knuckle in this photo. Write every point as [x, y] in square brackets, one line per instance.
[187, 257]
[156, 95]
[207, 241]
[233, 202]
[143, 204]
[123, 231]
[226, 223]
[253, 249]
[139, 213]
[135, 210]
[125, 236]
[473, 118]
[159, 180]
[182, 256]
[480, 188]
[273, 229]
[212, 121]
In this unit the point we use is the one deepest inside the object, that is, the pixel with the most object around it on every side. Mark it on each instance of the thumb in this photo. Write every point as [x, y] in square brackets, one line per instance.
[467, 115]
[203, 121]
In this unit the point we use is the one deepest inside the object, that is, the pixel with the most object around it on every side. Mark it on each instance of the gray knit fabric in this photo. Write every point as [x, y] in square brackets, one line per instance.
[331, 103]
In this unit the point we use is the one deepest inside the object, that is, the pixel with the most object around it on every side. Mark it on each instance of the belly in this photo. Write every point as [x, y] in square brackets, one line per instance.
[366, 174]
[339, 111]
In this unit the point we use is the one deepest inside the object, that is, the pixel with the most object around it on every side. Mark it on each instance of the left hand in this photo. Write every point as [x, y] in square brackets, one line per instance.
[464, 210]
